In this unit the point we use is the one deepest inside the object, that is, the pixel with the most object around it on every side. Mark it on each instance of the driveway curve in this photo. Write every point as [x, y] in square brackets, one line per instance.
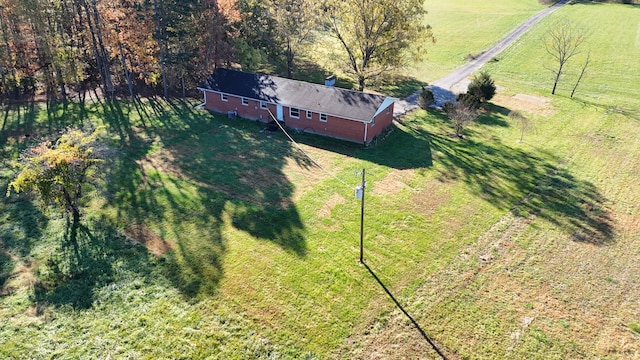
[442, 87]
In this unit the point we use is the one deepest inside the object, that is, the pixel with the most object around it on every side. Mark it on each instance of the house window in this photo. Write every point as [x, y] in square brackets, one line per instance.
[323, 117]
[245, 102]
[309, 114]
[224, 97]
[294, 112]
[263, 105]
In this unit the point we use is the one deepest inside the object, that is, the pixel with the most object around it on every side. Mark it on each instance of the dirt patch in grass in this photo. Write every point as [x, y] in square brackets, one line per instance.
[536, 105]
[163, 161]
[141, 234]
[426, 202]
[325, 210]
[393, 182]
[22, 276]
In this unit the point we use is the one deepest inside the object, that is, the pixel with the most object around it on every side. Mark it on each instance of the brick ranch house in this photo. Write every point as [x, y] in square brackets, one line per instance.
[319, 109]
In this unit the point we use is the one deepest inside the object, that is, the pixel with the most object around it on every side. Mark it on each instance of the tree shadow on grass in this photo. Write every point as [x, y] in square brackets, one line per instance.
[399, 86]
[194, 171]
[527, 185]
[509, 178]
[22, 224]
[99, 256]
[178, 172]
[627, 111]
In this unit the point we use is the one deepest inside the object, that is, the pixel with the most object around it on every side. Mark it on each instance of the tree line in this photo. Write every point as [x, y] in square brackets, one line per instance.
[66, 48]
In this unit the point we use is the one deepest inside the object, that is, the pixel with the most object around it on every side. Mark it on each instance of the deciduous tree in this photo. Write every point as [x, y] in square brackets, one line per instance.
[584, 69]
[295, 22]
[376, 35]
[524, 123]
[58, 171]
[461, 114]
[563, 42]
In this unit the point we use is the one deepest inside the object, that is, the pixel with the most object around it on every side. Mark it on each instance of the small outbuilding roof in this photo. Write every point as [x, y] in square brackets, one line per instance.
[349, 104]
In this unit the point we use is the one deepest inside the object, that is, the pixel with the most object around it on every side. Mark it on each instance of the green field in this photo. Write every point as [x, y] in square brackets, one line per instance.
[497, 248]
[465, 28]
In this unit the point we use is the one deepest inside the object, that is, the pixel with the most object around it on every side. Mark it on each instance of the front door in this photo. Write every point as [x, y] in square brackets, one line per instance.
[279, 112]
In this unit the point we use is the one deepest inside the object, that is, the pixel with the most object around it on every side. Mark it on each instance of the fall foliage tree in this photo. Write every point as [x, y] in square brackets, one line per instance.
[58, 171]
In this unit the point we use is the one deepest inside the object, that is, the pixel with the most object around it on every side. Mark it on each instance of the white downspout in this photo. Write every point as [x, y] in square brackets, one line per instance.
[365, 132]
[204, 103]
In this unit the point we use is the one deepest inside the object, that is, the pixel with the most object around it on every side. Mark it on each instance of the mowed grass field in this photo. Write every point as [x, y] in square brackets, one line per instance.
[207, 237]
[464, 28]
[556, 276]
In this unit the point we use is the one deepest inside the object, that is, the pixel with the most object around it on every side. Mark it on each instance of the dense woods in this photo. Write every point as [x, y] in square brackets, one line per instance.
[64, 47]
[67, 48]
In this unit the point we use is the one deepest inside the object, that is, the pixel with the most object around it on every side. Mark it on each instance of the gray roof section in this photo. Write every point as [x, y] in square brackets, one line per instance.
[344, 103]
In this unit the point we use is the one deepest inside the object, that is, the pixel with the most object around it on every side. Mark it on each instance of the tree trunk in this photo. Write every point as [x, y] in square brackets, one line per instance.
[123, 60]
[361, 81]
[555, 83]
[95, 46]
[102, 51]
[584, 69]
[289, 55]
[161, 49]
[184, 90]
[73, 233]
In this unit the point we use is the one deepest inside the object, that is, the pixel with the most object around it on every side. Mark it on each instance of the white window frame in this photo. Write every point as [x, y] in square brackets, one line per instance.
[291, 112]
[245, 101]
[309, 114]
[263, 105]
[224, 97]
[326, 118]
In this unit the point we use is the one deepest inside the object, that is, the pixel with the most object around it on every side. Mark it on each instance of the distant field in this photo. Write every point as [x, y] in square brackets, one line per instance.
[497, 248]
[465, 28]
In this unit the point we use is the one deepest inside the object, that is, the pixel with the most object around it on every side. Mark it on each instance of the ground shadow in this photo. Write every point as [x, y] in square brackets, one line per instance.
[176, 172]
[401, 308]
[79, 267]
[399, 86]
[611, 109]
[6, 267]
[628, 3]
[509, 178]
[526, 184]
[207, 167]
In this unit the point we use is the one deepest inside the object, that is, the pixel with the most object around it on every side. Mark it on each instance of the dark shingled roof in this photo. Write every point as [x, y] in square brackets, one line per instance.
[344, 103]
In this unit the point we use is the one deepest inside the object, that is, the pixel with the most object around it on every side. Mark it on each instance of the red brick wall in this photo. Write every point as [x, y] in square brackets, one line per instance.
[335, 127]
[234, 103]
[381, 121]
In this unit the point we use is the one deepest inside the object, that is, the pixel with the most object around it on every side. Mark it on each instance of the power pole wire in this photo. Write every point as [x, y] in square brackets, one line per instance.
[305, 153]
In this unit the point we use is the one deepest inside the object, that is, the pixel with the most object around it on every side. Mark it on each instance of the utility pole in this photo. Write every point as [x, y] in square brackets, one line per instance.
[360, 194]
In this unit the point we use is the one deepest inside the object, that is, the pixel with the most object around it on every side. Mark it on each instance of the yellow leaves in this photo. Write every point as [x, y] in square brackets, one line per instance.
[57, 172]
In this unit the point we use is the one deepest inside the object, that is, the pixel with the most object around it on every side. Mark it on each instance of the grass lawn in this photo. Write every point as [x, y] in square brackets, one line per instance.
[206, 237]
[465, 28]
